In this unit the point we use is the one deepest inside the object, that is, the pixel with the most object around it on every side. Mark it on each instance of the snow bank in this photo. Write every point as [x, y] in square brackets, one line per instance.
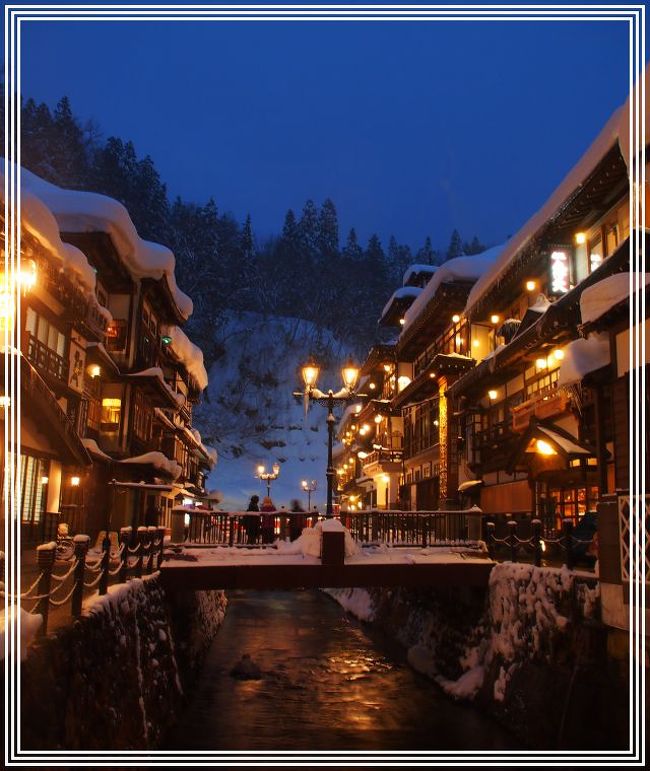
[598, 298]
[459, 269]
[616, 130]
[190, 355]
[358, 602]
[82, 212]
[583, 356]
[30, 623]
[309, 543]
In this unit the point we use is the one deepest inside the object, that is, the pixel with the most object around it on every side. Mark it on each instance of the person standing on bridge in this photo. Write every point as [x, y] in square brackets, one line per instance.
[297, 520]
[268, 520]
[252, 521]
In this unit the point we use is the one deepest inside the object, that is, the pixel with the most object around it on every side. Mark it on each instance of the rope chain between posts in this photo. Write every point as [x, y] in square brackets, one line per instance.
[65, 575]
[117, 569]
[58, 603]
[94, 582]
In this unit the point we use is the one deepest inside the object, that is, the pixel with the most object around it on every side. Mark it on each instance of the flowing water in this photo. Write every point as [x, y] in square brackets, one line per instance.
[327, 683]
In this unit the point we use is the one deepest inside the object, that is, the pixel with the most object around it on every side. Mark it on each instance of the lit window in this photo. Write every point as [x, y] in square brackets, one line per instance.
[111, 413]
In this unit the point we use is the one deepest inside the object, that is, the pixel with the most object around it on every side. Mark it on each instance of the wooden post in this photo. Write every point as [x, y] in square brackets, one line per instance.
[80, 550]
[152, 532]
[161, 546]
[490, 527]
[231, 529]
[512, 539]
[105, 564]
[45, 556]
[333, 548]
[141, 540]
[125, 540]
[567, 538]
[537, 541]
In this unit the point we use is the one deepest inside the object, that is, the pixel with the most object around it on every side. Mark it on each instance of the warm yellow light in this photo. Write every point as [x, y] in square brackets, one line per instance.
[260, 469]
[544, 448]
[558, 354]
[386, 367]
[541, 363]
[436, 423]
[378, 419]
[372, 386]
[75, 481]
[310, 372]
[402, 382]
[365, 427]
[494, 318]
[44, 480]
[385, 478]
[27, 276]
[108, 402]
[476, 343]
[362, 455]
[455, 318]
[5, 401]
[94, 370]
[402, 321]
[340, 471]
[363, 431]
[358, 408]
[492, 394]
[531, 285]
[350, 375]
[432, 375]
[581, 238]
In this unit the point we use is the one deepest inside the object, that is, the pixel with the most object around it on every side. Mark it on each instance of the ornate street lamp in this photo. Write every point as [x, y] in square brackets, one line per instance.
[268, 476]
[309, 488]
[350, 376]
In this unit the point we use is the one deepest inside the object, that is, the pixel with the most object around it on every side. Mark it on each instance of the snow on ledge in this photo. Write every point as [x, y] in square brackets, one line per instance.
[583, 356]
[189, 354]
[598, 298]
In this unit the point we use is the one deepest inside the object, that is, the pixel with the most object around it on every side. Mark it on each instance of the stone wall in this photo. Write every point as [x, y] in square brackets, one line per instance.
[530, 650]
[115, 678]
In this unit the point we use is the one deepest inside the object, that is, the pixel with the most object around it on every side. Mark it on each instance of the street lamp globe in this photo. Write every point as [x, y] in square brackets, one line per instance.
[310, 372]
[276, 469]
[350, 375]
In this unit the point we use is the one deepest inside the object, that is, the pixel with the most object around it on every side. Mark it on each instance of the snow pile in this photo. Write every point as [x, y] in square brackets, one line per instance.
[598, 298]
[158, 461]
[616, 130]
[30, 623]
[583, 356]
[82, 212]
[94, 449]
[358, 602]
[309, 542]
[529, 610]
[190, 355]
[418, 269]
[459, 269]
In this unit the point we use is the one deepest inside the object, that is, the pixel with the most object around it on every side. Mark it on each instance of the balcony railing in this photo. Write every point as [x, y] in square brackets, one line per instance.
[47, 361]
[541, 406]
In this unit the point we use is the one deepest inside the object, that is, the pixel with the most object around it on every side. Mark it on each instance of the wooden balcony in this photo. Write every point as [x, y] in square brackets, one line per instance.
[546, 405]
[49, 364]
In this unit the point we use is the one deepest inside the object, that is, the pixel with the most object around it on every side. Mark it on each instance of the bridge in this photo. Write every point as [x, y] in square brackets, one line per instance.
[330, 555]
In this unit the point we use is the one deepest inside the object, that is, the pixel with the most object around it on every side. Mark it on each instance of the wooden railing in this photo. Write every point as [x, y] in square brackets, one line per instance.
[45, 359]
[541, 406]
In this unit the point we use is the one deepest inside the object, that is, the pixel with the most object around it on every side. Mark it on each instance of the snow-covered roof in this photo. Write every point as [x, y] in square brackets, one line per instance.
[468, 268]
[598, 298]
[82, 212]
[418, 269]
[583, 356]
[617, 129]
[94, 449]
[567, 445]
[158, 461]
[190, 355]
[38, 220]
[156, 372]
[403, 293]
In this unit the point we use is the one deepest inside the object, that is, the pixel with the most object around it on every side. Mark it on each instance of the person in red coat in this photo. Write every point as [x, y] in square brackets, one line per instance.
[268, 520]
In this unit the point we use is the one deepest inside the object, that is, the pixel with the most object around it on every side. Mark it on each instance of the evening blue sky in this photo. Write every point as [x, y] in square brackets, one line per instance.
[411, 128]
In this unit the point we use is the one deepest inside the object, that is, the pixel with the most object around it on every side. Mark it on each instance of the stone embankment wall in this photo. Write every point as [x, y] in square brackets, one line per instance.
[530, 650]
[116, 677]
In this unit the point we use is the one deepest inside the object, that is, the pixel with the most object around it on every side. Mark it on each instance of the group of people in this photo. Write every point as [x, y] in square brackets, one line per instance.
[263, 523]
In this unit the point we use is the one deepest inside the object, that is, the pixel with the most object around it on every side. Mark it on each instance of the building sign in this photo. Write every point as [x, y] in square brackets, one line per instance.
[559, 272]
[76, 369]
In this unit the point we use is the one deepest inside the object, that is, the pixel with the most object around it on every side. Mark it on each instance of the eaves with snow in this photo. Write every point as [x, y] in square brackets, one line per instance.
[76, 211]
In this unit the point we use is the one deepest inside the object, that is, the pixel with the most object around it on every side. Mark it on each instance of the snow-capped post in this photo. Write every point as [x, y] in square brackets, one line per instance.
[537, 541]
[81, 543]
[512, 539]
[350, 375]
[141, 545]
[124, 541]
[567, 541]
[161, 546]
[45, 556]
[490, 529]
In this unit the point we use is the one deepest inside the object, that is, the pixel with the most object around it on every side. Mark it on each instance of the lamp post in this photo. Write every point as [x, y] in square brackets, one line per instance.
[309, 488]
[350, 375]
[268, 476]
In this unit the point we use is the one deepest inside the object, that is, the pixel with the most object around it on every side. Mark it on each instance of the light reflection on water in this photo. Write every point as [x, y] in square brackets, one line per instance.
[326, 685]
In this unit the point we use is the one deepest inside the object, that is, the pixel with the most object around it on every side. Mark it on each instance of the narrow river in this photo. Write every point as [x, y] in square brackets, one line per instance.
[327, 683]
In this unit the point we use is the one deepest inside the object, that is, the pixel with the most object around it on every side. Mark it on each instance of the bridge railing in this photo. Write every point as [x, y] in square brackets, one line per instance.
[239, 528]
[424, 528]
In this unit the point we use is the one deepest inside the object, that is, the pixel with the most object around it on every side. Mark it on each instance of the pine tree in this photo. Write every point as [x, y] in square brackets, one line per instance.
[308, 230]
[426, 255]
[455, 248]
[352, 251]
[475, 247]
[328, 231]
